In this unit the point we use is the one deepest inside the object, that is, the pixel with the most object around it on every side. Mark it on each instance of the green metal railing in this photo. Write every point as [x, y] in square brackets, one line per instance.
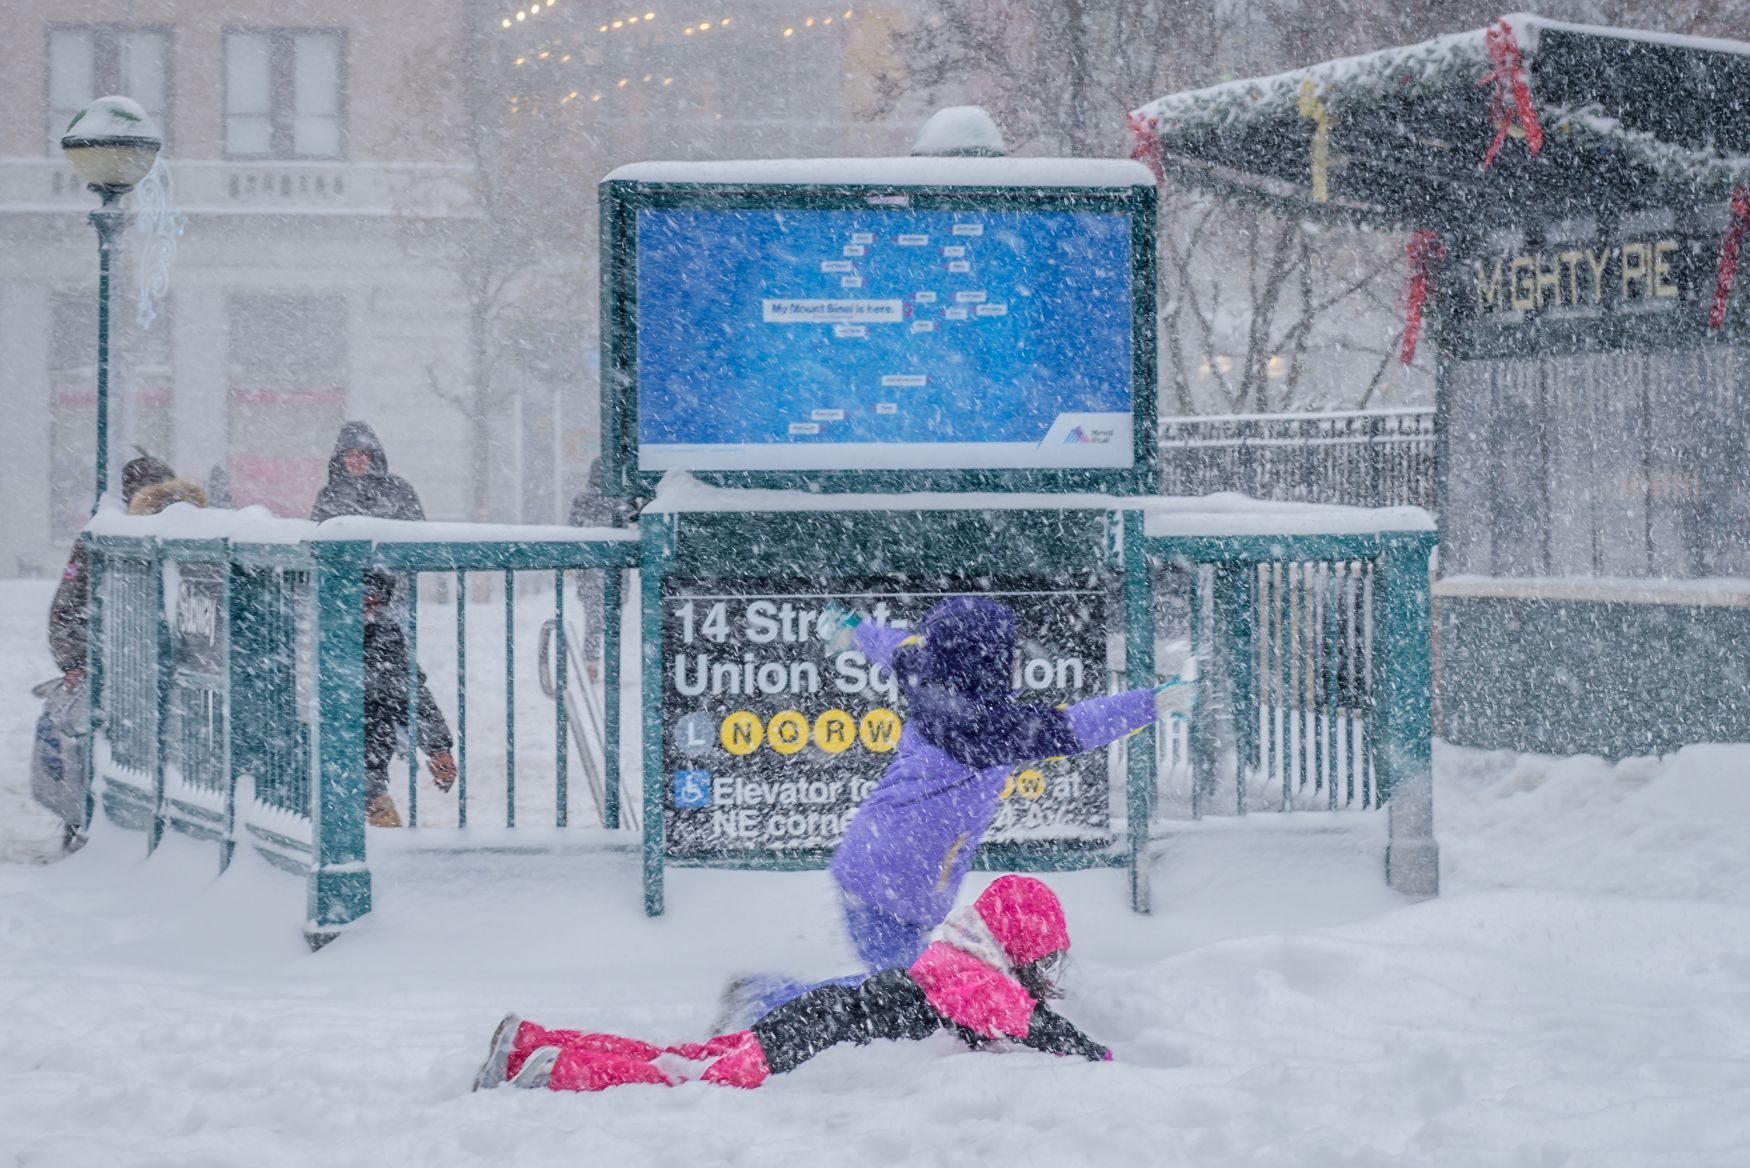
[1286, 722]
[227, 680]
[1317, 688]
[228, 686]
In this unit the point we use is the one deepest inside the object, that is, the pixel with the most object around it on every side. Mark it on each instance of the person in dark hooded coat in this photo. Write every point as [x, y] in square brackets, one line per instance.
[359, 482]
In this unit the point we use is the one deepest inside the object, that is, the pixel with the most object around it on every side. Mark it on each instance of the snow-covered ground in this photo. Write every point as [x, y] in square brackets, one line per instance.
[1579, 995]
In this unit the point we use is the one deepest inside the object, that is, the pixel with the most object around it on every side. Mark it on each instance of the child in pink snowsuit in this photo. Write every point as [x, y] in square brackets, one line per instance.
[986, 978]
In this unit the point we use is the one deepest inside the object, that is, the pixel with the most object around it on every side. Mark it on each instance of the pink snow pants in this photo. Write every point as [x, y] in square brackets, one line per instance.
[595, 1062]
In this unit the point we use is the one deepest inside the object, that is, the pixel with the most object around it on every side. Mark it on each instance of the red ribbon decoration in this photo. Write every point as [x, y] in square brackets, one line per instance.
[1508, 76]
[1147, 147]
[1729, 246]
[1424, 250]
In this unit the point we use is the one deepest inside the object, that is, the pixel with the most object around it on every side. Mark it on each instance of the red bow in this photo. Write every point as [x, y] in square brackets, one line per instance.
[1728, 270]
[1424, 250]
[1147, 146]
[1508, 77]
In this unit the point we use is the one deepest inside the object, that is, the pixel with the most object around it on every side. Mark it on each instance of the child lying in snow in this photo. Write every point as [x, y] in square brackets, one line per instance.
[986, 979]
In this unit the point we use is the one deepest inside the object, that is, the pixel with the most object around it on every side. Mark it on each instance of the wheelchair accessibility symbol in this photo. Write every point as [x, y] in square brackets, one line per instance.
[692, 789]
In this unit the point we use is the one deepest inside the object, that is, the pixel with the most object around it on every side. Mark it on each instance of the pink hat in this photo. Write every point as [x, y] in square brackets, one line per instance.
[1024, 916]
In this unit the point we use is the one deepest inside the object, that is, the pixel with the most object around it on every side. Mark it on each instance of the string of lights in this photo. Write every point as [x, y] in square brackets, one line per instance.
[557, 55]
[637, 20]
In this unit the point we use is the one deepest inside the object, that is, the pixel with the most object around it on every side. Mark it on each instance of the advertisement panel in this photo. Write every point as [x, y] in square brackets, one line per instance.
[884, 338]
[770, 739]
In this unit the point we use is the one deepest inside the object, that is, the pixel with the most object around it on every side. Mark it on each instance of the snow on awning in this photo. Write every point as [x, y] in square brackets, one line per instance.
[1473, 127]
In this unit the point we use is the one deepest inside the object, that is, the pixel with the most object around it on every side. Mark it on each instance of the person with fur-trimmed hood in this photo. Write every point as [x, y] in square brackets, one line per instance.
[986, 979]
[70, 611]
[359, 482]
[57, 772]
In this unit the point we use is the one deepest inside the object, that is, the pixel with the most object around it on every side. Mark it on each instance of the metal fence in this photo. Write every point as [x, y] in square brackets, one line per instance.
[1286, 717]
[228, 682]
[1374, 458]
[227, 686]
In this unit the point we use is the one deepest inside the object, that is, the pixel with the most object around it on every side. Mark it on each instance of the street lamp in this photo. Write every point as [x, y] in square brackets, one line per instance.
[112, 146]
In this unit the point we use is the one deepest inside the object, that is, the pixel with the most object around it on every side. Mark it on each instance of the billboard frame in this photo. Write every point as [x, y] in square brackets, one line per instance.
[622, 199]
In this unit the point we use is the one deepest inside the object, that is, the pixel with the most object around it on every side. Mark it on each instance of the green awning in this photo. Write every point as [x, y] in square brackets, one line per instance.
[1628, 120]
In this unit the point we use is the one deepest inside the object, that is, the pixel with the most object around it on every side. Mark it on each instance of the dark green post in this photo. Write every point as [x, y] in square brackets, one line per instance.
[340, 883]
[1236, 605]
[1201, 737]
[611, 578]
[411, 580]
[163, 664]
[509, 698]
[1406, 712]
[561, 732]
[94, 679]
[461, 698]
[657, 534]
[1139, 666]
[107, 221]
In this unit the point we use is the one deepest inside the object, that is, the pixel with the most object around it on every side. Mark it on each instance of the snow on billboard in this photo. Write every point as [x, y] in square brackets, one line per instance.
[884, 338]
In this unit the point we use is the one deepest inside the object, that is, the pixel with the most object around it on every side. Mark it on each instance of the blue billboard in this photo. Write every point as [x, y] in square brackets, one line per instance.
[774, 339]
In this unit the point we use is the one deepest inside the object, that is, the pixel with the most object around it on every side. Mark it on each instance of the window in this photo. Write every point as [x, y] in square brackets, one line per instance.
[284, 93]
[88, 61]
[287, 366]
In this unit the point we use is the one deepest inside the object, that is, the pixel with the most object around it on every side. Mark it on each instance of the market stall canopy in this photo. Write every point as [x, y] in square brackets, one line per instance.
[1475, 127]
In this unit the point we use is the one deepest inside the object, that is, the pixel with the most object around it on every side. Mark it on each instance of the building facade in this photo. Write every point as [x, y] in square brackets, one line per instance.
[365, 211]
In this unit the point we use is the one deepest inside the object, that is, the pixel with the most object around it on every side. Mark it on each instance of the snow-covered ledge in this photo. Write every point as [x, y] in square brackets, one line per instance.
[1221, 514]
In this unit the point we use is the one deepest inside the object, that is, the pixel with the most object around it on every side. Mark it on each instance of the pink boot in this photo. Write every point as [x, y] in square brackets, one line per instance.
[744, 1066]
[530, 1037]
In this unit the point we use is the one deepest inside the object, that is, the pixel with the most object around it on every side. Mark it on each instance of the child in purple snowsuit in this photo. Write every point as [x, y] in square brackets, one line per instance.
[912, 841]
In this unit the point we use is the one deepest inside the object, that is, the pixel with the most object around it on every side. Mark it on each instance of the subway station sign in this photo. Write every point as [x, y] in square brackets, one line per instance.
[771, 739]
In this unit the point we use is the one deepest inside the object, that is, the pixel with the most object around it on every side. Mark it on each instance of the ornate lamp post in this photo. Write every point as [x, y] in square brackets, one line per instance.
[111, 145]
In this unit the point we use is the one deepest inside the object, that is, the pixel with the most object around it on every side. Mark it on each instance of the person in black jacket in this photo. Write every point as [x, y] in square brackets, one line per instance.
[386, 677]
[359, 482]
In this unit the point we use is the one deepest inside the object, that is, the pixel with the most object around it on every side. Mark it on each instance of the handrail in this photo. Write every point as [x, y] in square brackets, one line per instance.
[586, 724]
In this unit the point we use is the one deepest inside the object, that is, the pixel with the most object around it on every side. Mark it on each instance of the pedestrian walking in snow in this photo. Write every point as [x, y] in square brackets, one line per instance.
[986, 980]
[359, 482]
[386, 677]
[63, 730]
[70, 611]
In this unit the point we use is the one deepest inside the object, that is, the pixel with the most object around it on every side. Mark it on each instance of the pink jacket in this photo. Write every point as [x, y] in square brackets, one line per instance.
[972, 992]
[967, 976]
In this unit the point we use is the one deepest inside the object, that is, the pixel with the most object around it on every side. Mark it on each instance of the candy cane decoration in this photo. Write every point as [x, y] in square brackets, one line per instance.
[1508, 78]
[1728, 269]
[1424, 251]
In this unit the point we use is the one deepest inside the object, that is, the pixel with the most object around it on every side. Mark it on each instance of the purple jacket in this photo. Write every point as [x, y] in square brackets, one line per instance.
[913, 839]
